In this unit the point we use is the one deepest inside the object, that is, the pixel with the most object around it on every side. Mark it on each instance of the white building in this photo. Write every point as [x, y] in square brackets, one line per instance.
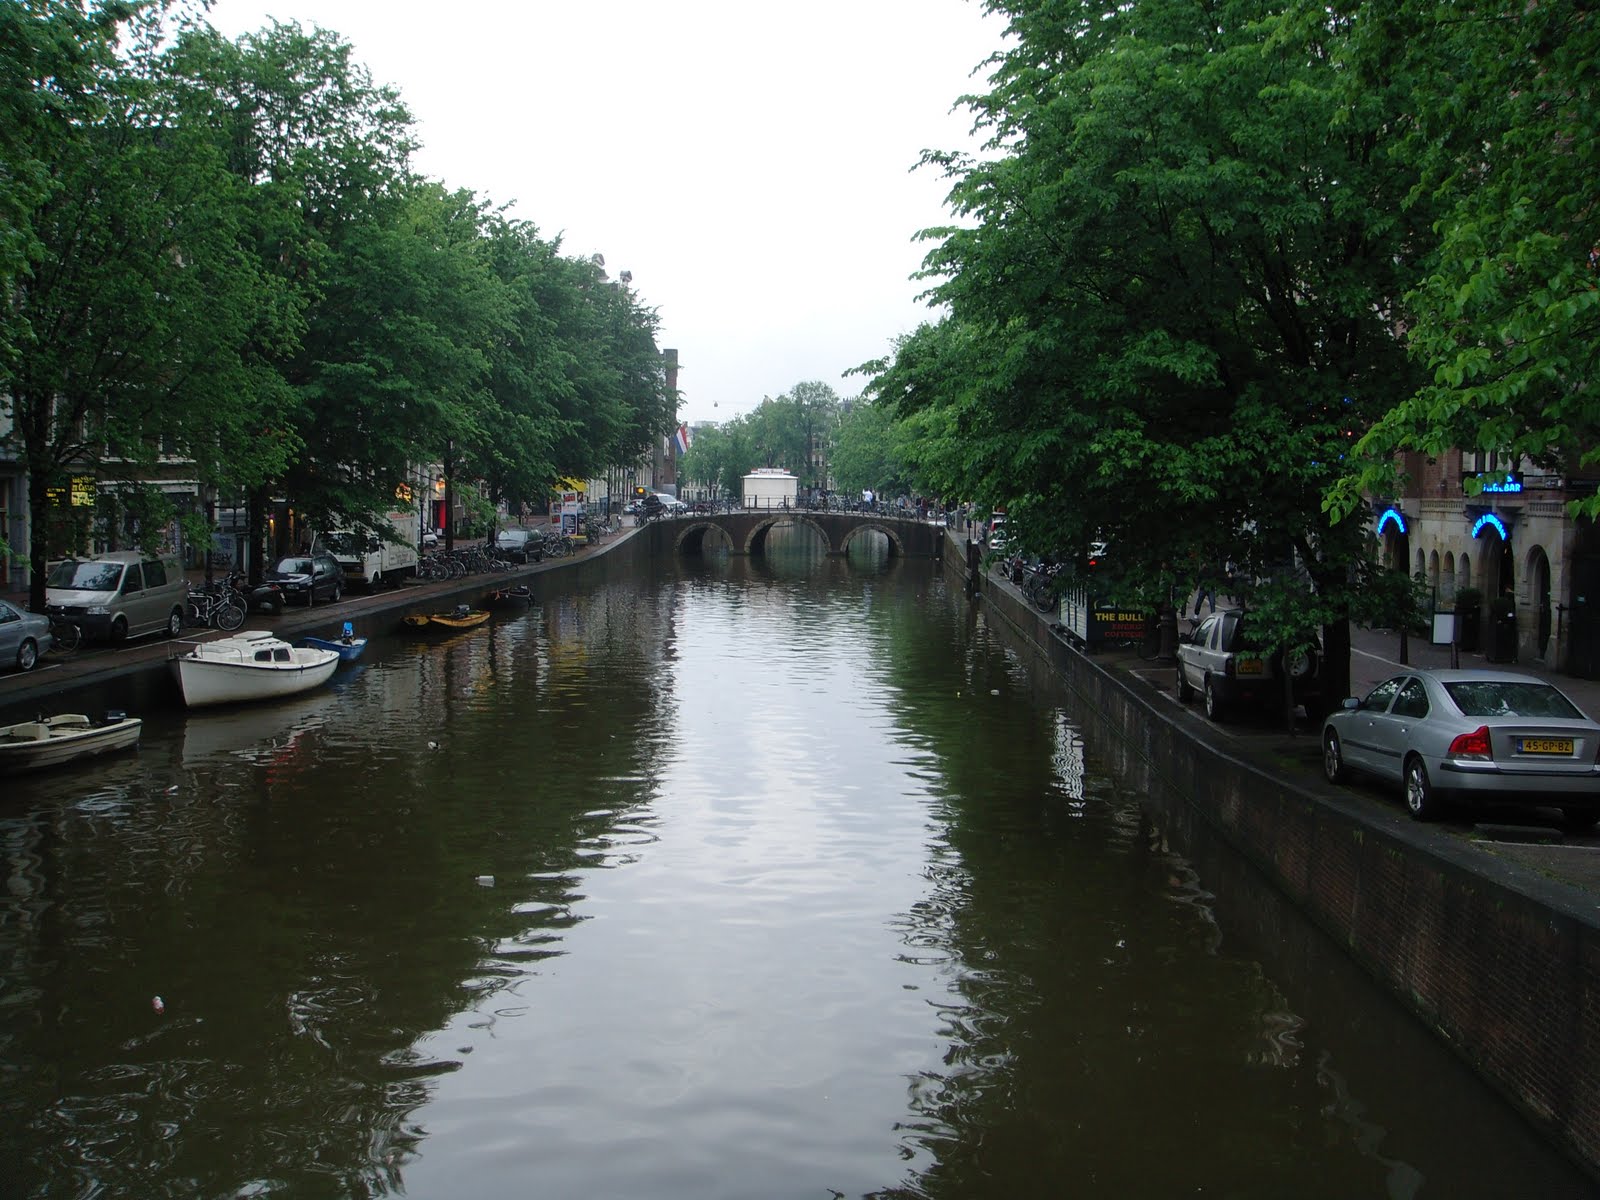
[770, 487]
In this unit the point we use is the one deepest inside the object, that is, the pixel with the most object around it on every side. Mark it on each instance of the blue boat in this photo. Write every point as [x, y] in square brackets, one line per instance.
[347, 646]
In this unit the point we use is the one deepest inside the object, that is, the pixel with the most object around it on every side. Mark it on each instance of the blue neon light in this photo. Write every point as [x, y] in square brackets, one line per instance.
[1489, 520]
[1395, 515]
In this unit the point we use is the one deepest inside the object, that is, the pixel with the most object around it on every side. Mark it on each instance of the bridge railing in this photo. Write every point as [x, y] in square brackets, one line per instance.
[893, 512]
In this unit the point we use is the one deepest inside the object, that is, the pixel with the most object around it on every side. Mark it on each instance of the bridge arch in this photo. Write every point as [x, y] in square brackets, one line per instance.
[896, 549]
[747, 531]
[691, 538]
[756, 539]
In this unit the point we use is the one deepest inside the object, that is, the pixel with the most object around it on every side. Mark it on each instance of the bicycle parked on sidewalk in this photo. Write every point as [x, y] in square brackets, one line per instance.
[214, 606]
[65, 635]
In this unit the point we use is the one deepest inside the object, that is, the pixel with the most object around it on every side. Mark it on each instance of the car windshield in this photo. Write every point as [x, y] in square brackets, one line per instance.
[1505, 698]
[293, 566]
[513, 535]
[342, 543]
[85, 576]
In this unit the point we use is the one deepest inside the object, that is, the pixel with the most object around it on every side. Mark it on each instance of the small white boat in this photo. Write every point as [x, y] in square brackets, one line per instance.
[254, 665]
[50, 741]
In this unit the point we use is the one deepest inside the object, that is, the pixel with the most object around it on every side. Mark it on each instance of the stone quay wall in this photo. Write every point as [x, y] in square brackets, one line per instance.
[1501, 962]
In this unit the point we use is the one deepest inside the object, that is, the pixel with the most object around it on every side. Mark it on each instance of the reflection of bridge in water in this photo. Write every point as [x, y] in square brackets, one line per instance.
[747, 531]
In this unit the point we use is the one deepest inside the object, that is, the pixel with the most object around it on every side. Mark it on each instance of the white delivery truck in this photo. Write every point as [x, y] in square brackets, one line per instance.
[371, 560]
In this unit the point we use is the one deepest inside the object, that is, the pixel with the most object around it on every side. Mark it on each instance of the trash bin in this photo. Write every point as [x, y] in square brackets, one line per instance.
[1503, 634]
[1469, 618]
[1167, 633]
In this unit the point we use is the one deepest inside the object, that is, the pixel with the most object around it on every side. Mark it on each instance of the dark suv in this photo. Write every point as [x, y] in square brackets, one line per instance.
[307, 578]
[1222, 662]
[519, 545]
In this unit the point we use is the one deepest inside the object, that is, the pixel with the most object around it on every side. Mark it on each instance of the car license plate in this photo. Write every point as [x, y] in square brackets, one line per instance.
[1249, 666]
[1544, 745]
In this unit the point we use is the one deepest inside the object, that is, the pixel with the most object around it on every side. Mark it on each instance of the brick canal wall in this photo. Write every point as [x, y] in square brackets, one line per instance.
[1501, 962]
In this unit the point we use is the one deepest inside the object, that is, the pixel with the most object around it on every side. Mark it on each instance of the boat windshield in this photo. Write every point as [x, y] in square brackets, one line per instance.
[85, 576]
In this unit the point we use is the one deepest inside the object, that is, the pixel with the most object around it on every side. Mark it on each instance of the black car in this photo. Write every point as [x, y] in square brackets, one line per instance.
[519, 545]
[315, 577]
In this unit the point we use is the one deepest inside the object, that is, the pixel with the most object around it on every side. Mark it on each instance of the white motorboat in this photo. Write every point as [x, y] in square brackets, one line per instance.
[255, 665]
[50, 741]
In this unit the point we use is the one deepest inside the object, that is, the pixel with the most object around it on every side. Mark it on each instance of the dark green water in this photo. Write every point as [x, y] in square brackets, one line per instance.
[776, 877]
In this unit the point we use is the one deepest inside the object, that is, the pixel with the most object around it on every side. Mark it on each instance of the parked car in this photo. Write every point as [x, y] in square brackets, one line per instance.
[671, 503]
[1222, 663]
[24, 636]
[519, 545]
[310, 578]
[121, 594]
[1462, 735]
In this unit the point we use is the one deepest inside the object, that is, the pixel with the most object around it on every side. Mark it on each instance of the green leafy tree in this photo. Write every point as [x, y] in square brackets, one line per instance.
[394, 368]
[1172, 302]
[880, 450]
[352, 241]
[718, 458]
[1507, 323]
[130, 315]
[55, 57]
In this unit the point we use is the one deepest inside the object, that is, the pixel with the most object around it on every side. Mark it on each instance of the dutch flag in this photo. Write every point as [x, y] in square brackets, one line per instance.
[682, 438]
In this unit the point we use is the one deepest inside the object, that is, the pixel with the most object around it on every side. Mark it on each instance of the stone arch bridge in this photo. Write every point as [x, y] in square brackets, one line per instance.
[747, 531]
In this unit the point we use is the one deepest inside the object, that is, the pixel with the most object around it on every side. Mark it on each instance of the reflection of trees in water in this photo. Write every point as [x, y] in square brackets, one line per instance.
[302, 889]
[1087, 1004]
[1071, 1034]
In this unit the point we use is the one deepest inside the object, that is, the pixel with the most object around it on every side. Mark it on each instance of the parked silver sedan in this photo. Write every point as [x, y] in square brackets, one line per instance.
[1452, 735]
[24, 636]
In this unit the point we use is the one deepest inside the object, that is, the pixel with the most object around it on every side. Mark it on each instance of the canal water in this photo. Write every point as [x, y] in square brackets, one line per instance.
[770, 877]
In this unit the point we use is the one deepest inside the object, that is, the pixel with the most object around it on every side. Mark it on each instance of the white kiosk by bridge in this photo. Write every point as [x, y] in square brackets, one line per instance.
[770, 487]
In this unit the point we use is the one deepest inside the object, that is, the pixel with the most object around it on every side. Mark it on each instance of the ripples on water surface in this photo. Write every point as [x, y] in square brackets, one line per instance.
[766, 878]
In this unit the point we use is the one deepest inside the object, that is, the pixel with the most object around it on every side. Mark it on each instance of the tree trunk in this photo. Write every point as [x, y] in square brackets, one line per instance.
[255, 536]
[1335, 675]
[38, 544]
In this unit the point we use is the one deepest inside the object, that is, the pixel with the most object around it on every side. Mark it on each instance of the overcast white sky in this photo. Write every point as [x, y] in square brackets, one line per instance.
[749, 162]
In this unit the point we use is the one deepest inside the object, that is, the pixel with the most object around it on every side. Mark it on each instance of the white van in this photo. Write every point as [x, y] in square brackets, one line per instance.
[119, 595]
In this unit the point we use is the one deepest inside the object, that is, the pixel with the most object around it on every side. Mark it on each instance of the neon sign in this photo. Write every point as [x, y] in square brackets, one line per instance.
[1394, 516]
[1507, 483]
[1490, 521]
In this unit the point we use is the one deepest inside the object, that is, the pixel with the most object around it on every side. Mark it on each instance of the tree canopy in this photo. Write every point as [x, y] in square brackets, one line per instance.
[217, 252]
[1171, 299]
[1506, 321]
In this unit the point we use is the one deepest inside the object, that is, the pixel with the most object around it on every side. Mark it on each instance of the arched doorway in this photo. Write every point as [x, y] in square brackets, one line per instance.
[1497, 570]
[1539, 594]
[1396, 541]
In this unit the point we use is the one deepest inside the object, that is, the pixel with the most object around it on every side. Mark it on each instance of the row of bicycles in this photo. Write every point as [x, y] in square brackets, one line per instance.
[1035, 577]
[479, 559]
[461, 562]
